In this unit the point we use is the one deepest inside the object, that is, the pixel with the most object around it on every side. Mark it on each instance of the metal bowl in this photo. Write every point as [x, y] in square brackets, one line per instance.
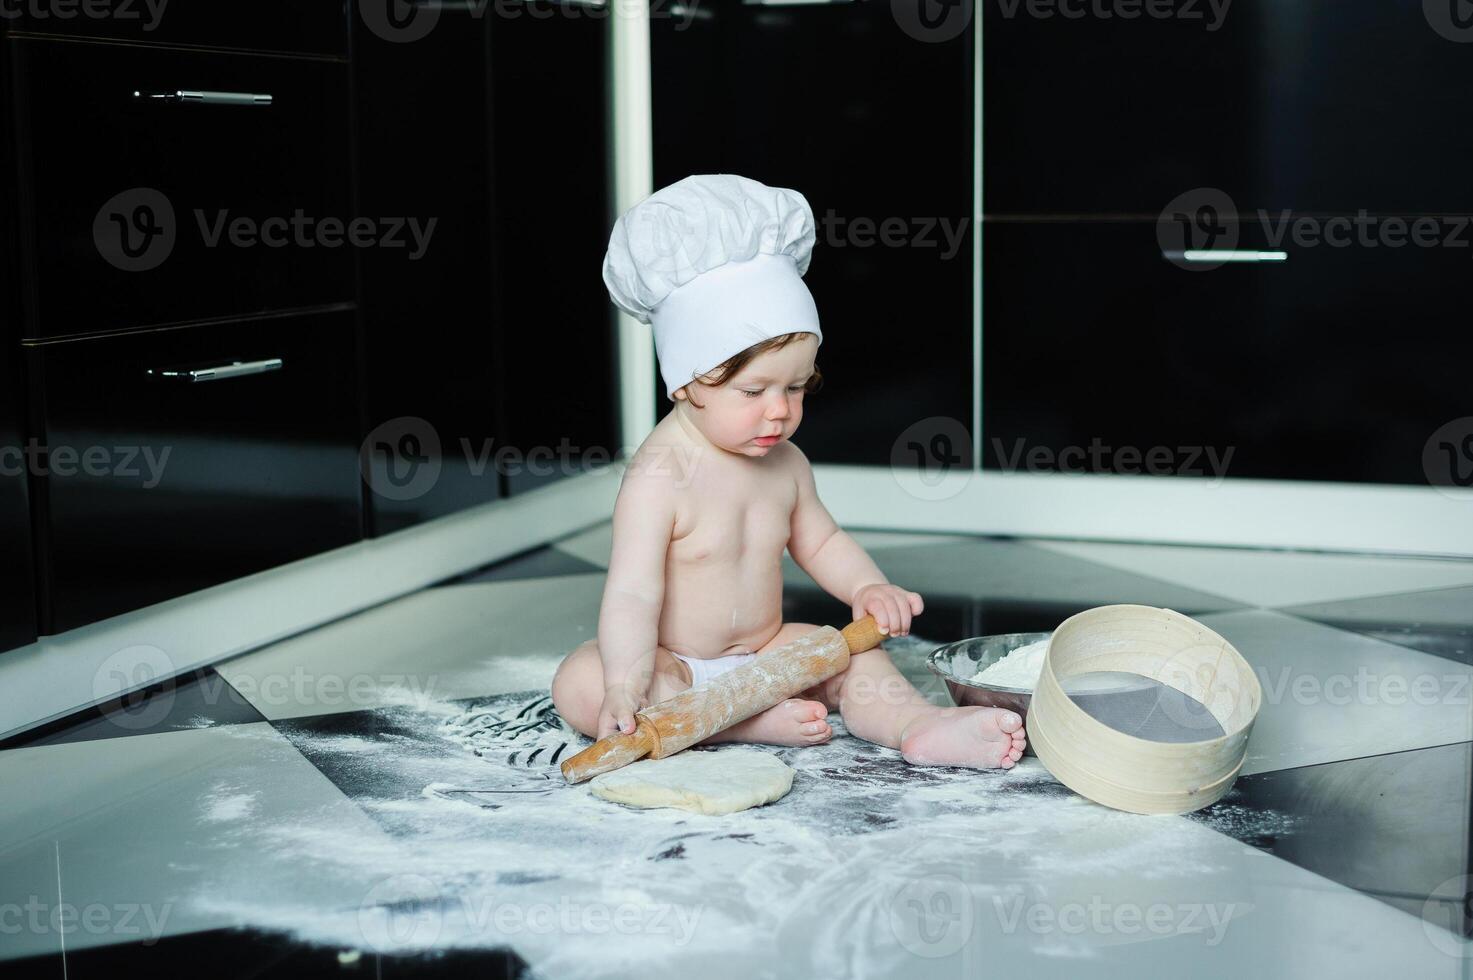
[956, 663]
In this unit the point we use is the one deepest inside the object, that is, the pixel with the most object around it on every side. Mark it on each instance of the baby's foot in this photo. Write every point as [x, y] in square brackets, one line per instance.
[791, 722]
[983, 738]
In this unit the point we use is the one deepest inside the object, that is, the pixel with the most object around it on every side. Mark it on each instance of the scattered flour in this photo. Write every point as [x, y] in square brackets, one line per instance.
[1019, 669]
[479, 843]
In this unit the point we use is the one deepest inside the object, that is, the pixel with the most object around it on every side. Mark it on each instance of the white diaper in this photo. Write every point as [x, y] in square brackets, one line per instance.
[702, 671]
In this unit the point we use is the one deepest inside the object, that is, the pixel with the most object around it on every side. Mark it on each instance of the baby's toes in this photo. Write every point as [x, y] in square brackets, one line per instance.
[808, 711]
[815, 732]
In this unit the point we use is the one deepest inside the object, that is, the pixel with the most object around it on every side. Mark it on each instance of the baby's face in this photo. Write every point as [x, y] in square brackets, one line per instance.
[765, 398]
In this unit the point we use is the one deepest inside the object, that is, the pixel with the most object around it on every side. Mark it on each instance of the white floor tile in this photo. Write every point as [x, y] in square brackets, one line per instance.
[1330, 695]
[455, 641]
[154, 831]
[1272, 579]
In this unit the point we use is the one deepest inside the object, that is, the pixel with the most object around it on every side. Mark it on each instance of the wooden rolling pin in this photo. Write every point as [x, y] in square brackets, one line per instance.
[682, 721]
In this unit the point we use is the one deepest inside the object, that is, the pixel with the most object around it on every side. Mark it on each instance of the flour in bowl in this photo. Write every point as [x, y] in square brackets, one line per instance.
[1019, 669]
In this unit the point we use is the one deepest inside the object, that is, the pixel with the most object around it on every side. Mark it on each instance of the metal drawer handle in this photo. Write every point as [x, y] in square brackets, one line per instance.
[1225, 255]
[207, 98]
[235, 369]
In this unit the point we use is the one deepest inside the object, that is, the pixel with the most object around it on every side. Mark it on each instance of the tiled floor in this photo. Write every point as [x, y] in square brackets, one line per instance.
[311, 807]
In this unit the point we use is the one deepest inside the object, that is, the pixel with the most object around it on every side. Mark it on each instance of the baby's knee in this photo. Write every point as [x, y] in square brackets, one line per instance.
[577, 688]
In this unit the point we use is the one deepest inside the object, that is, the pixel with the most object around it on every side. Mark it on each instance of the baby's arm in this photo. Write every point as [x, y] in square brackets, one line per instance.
[634, 593]
[836, 561]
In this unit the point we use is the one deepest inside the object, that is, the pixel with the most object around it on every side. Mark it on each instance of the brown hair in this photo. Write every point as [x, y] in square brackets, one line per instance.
[724, 371]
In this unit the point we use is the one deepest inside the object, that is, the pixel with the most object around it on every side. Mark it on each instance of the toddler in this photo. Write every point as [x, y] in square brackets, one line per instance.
[718, 489]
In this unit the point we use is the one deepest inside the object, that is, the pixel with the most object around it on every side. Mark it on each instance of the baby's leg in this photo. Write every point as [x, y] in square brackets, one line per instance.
[578, 690]
[879, 705]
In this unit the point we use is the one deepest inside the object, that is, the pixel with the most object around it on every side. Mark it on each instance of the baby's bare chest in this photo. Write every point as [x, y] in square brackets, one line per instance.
[726, 520]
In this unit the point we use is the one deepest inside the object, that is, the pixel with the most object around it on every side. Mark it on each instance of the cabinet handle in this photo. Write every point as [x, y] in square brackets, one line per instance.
[235, 369]
[207, 98]
[1224, 255]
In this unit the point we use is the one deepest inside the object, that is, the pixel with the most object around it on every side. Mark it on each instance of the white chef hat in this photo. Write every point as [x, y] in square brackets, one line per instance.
[715, 263]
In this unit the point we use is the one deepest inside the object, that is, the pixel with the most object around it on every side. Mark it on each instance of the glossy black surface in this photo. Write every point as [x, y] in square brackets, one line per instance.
[89, 150]
[17, 595]
[553, 324]
[261, 469]
[248, 954]
[1338, 364]
[1311, 105]
[871, 125]
[430, 367]
[312, 26]
[198, 699]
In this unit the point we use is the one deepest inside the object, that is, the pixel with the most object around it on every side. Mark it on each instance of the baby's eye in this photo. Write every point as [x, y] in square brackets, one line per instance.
[753, 394]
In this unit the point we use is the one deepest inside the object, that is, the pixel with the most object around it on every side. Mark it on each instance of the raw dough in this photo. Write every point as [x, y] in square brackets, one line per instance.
[723, 781]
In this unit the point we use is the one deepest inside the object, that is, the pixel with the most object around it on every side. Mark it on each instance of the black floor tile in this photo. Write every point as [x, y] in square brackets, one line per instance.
[199, 699]
[1394, 826]
[1436, 621]
[544, 562]
[229, 954]
[1014, 572]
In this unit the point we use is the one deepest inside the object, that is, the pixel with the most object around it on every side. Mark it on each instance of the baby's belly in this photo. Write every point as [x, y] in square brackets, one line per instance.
[716, 610]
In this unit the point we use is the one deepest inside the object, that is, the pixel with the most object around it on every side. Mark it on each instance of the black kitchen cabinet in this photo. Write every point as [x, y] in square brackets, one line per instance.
[873, 125]
[1338, 364]
[1314, 105]
[554, 327]
[431, 370]
[17, 595]
[177, 459]
[143, 212]
[301, 26]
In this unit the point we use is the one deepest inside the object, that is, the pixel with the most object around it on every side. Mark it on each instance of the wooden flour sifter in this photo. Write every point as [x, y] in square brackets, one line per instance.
[680, 722]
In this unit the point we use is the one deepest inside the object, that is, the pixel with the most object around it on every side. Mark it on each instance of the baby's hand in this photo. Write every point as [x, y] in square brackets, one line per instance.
[891, 606]
[616, 714]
